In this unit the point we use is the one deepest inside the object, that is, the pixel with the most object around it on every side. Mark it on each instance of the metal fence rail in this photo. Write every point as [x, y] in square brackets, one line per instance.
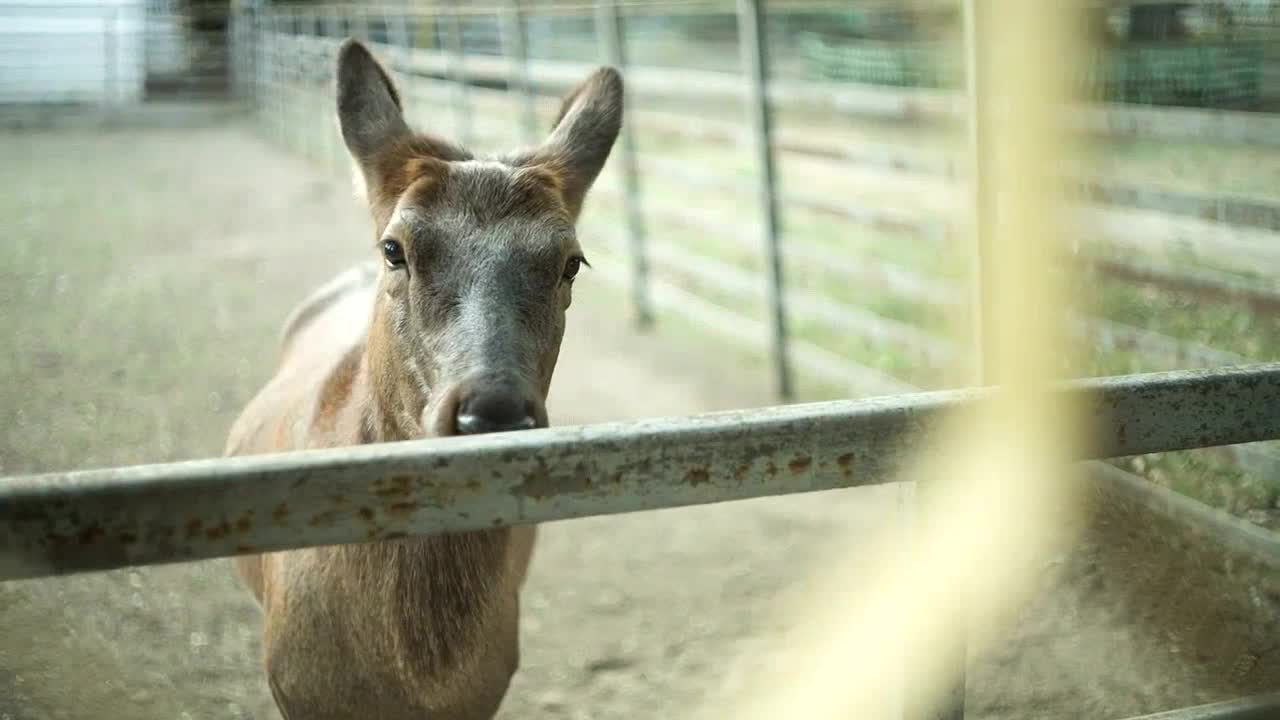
[99, 519]
[1262, 707]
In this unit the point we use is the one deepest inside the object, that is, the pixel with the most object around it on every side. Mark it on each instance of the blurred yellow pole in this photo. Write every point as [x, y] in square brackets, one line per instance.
[982, 201]
[1000, 497]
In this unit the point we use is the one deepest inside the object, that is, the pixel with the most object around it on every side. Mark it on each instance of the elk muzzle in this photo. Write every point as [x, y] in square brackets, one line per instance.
[489, 404]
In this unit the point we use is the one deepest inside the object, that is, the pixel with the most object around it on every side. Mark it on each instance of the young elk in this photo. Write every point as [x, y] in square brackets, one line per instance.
[457, 333]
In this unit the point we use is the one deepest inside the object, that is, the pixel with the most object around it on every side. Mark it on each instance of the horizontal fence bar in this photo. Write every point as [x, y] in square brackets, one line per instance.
[100, 519]
[1233, 533]
[905, 104]
[911, 105]
[930, 350]
[1203, 283]
[1260, 707]
[1209, 239]
[832, 369]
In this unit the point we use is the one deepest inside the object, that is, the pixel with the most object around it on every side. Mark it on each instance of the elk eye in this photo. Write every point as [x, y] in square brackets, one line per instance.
[572, 267]
[394, 253]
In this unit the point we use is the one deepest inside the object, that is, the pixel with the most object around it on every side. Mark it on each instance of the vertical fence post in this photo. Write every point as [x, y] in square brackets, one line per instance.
[609, 31]
[266, 65]
[515, 37]
[316, 124]
[457, 71]
[247, 32]
[111, 53]
[289, 43]
[278, 75]
[258, 45]
[235, 52]
[755, 59]
[301, 59]
[362, 21]
[302, 115]
[335, 149]
[407, 74]
[233, 47]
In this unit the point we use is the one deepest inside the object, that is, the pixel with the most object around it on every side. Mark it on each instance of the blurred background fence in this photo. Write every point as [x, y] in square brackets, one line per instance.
[851, 279]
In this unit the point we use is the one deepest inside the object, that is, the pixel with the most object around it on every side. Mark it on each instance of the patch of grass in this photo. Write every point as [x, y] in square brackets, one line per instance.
[1223, 326]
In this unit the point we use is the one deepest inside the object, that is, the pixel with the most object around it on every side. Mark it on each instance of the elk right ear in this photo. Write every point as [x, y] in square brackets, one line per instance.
[369, 110]
[579, 145]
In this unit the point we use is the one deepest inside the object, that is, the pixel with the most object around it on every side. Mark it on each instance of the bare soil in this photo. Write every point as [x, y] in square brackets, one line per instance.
[143, 278]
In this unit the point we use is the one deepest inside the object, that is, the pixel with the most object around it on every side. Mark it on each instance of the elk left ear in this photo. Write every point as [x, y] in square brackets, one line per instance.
[584, 133]
[369, 112]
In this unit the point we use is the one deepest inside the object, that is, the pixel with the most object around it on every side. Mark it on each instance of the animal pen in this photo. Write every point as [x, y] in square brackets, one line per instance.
[482, 71]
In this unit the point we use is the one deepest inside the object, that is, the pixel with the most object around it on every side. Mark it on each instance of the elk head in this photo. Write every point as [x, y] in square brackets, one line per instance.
[478, 255]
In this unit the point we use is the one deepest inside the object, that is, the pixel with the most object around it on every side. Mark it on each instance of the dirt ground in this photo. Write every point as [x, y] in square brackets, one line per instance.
[144, 278]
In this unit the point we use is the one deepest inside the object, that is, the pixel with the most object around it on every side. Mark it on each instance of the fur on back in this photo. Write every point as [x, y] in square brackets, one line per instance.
[353, 280]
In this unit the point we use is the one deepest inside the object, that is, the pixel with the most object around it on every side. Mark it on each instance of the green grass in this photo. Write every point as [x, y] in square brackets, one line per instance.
[1222, 326]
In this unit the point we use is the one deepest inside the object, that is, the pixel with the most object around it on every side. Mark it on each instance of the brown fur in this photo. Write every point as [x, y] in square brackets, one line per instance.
[438, 627]
[424, 627]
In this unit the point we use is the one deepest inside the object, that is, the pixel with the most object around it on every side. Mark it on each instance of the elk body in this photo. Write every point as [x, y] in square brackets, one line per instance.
[456, 330]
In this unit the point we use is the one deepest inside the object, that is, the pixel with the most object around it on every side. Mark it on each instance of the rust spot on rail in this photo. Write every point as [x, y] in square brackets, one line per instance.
[845, 462]
[697, 476]
[541, 483]
[397, 486]
[328, 518]
[219, 531]
[90, 534]
[402, 508]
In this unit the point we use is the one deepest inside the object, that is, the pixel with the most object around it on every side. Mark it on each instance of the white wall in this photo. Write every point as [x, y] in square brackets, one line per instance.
[71, 51]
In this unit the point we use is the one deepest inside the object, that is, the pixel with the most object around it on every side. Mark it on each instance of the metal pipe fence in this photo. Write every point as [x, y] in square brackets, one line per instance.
[612, 44]
[475, 59]
[1110, 238]
[99, 519]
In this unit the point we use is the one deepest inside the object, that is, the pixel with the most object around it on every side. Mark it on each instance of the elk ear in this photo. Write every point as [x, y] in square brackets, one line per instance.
[579, 145]
[369, 111]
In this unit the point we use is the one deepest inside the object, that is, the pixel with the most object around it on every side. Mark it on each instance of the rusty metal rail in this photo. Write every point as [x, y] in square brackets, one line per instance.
[99, 519]
[1260, 707]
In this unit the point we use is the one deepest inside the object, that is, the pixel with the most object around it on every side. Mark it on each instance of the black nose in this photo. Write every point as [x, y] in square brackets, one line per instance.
[486, 412]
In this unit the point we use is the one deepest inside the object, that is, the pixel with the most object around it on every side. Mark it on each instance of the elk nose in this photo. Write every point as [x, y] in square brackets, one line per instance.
[487, 412]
